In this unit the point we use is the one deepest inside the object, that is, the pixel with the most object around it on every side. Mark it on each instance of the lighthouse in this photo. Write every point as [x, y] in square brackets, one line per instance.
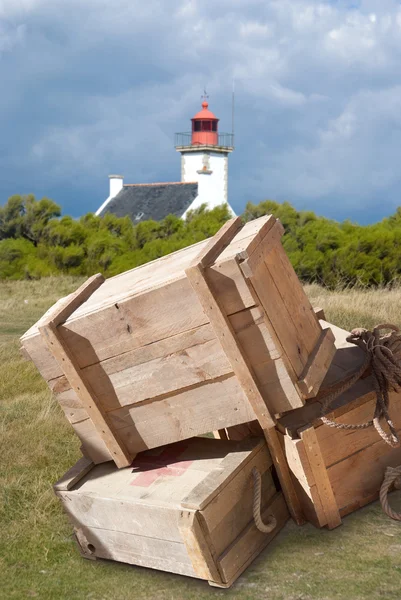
[204, 159]
[204, 177]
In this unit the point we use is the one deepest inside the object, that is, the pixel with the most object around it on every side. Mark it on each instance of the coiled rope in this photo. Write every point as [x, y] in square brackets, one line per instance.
[392, 476]
[381, 354]
[257, 502]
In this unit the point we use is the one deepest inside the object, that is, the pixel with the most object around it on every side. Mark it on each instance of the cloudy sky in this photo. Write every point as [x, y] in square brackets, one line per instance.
[91, 87]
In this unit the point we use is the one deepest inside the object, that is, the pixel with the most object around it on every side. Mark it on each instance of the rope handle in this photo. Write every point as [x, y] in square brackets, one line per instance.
[257, 503]
[392, 476]
[382, 355]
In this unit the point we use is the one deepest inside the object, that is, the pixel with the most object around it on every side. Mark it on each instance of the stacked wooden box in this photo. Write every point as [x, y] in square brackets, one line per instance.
[209, 338]
[185, 508]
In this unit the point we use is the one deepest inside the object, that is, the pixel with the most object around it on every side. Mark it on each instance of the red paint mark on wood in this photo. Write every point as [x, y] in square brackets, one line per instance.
[151, 467]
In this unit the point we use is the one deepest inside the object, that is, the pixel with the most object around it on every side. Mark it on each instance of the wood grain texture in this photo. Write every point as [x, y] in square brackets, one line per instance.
[188, 413]
[318, 364]
[73, 476]
[218, 242]
[199, 550]
[251, 541]
[322, 481]
[66, 358]
[226, 335]
[257, 253]
[210, 488]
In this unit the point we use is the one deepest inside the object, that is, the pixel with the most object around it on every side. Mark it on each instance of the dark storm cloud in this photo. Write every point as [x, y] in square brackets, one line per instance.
[92, 86]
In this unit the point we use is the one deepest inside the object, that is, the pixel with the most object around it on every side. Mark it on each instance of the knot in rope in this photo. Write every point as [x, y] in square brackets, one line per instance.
[382, 355]
[391, 477]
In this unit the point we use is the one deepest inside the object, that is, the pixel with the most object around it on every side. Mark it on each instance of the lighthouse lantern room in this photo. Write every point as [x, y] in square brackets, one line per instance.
[204, 158]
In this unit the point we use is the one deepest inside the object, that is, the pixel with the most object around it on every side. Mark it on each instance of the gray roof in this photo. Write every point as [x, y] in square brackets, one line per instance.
[154, 201]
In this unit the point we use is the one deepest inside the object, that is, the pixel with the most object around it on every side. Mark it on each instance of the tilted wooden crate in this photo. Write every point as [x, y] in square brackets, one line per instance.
[184, 508]
[337, 471]
[212, 336]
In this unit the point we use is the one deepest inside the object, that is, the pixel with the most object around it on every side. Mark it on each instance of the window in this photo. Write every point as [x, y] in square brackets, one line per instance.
[197, 126]
[214, 125]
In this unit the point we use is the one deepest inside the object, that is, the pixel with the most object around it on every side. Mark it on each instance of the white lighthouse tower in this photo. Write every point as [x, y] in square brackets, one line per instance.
[204, 159]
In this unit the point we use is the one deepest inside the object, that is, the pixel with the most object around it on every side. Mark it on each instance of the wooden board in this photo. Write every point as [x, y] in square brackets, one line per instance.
[322, 481]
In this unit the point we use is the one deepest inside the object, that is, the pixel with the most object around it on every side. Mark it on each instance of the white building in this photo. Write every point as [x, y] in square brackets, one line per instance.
[204, 177]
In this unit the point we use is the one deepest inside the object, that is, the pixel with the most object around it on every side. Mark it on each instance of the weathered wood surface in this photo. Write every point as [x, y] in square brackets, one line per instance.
[139, 515]
[170, 352]
[327, 463]
[251, 541]
[318, 364]
[85, 393]
[321, 477]
[229, 342]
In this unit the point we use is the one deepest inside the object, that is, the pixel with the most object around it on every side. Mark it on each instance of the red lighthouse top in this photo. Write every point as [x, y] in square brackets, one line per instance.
[204, 127]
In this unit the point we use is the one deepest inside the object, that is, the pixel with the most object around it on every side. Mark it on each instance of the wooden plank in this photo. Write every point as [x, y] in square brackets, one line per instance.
[319, 312]
[270, 371]
[284, 475]
[318, 364]
[199, 551]
[166, 375]
[220, 434]
[337, 444]
[278, 319]
[191, 412]
[237, 512]
[357, 479]
[303, 319]
[75, 474]
[218, 242]
[67, 360]
[229, 343]
[93, 446]
[220, 512]
[217, 480]
[139, 550]
[248, 238]
[229, 285]
[75, 300]
[296, 420]
[251, 541]
[321, 477]
[122, 514]
[254, 255]
[304, 481]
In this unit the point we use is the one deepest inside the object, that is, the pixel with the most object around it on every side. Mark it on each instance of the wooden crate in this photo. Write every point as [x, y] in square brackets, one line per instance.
[209, 337]
[184, 508]
[338, 471]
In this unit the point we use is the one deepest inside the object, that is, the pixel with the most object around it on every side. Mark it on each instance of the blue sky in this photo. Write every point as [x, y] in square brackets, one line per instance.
[92, 87]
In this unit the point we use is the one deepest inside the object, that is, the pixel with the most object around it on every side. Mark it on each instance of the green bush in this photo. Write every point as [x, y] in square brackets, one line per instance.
[36, 242]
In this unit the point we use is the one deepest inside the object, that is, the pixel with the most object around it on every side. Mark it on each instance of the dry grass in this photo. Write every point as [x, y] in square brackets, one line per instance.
[358, 308]
[360, 560]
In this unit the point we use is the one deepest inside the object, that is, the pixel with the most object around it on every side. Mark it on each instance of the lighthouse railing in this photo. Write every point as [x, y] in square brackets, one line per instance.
[224, 140]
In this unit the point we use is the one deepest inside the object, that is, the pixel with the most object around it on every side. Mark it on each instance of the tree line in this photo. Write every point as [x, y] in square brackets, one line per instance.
[37, 241]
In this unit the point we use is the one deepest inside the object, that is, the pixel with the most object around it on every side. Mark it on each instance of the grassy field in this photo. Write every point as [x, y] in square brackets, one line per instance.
[38, 559]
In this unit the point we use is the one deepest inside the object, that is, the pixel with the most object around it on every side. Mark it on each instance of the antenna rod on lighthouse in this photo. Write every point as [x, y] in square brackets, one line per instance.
[232, 111]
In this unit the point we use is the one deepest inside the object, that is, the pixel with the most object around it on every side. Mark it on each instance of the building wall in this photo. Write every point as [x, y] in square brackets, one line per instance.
[210, 170]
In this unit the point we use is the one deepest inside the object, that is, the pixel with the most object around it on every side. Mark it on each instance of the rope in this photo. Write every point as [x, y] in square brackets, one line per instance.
[381, 354]
[257, 502]
[392, 476]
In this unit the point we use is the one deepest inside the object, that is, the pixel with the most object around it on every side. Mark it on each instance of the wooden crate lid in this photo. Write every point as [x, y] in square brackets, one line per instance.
[188, 473]
[154, 274]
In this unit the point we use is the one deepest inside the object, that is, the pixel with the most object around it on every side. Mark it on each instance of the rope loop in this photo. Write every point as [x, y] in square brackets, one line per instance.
[391, 477]
[382, 355]
[257, 502]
